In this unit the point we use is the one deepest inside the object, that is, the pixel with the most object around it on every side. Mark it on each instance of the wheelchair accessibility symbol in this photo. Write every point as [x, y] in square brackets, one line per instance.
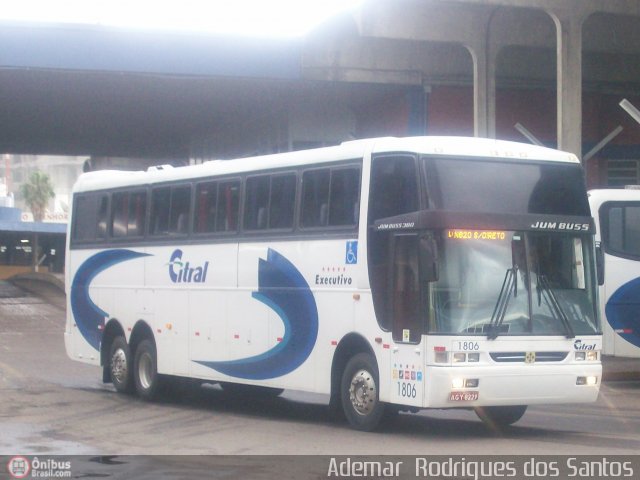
[351, 257]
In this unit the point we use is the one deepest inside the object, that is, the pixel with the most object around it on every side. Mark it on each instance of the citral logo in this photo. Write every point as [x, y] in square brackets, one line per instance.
[183, 272]
[578, 345]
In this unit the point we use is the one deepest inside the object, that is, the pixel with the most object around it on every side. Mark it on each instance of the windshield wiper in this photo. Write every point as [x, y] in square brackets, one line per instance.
[510, 284]
[544, 288]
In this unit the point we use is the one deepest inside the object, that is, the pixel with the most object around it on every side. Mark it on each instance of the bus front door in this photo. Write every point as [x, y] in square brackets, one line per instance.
[407, 320]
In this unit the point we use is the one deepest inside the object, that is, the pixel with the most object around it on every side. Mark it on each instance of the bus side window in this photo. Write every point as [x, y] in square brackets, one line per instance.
[394, 187]
[128, 214]
[282, 201]
[205, 208]
[269, 202]
[330, 197]
[228, 206]
[180, 206]
[256, 203]
[160, 203]
[103, 206]
[137, 214]
[343, 197]
[620, 232]
[120, 214]
[315, 198]
[85, 227]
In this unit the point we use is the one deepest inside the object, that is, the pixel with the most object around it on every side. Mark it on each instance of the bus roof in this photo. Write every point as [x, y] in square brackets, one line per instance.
[472, 147]
[442, 146]
[601, 195]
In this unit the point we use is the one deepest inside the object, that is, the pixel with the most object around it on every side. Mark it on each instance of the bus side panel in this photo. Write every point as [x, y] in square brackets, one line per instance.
[621, 307]
[290, 310]
[619, 297]
[209, 335]
[104, 285]
[173, 275]
[78, 344]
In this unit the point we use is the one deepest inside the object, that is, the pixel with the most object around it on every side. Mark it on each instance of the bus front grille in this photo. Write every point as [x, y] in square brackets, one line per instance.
[526, 357]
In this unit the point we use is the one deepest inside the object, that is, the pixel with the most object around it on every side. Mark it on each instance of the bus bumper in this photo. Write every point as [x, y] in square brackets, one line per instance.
[450, 387]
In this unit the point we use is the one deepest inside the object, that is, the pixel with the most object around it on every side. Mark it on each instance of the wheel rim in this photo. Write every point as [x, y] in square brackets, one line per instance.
[119, 367]
[362, 392]
[145, 371]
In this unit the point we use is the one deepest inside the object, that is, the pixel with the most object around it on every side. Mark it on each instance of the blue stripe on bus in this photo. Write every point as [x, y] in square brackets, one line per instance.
[87, 315]
[623, 311]
[282, 288]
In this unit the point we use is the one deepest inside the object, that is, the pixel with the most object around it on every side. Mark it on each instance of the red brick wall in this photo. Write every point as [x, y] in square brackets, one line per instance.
[387, 117]
[450, 112]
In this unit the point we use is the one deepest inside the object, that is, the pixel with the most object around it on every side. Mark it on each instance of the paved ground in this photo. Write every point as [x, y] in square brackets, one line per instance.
[52, 405]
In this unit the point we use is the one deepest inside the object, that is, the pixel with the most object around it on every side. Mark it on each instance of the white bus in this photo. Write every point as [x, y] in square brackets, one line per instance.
[617, 216]
[392, 274]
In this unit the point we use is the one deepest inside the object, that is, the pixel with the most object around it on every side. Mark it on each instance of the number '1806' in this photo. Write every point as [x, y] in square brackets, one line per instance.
[407, 389]
[467, 346]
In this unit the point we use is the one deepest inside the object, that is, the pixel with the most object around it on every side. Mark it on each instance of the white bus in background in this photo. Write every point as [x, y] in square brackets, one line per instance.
[391, 274]
[617, 216]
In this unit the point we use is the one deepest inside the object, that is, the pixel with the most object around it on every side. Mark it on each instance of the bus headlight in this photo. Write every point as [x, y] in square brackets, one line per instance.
[591, 380]
[589, 356]
[458, 383]
[459, 357]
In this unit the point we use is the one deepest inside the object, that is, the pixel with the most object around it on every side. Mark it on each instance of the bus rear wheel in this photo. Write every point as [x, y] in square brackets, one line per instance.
[120, 365]
[359, 393]
[145, 370]
[501, 416]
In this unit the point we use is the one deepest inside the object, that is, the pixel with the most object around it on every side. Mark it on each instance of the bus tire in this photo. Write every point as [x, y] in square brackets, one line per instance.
[501, 416]
[120, 365]
[145, 371]
[359, 393]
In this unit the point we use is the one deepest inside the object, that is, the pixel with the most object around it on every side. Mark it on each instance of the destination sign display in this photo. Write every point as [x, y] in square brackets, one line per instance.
[462, 234]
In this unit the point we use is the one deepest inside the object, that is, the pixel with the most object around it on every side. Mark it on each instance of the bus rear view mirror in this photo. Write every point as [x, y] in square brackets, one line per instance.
[428, 259]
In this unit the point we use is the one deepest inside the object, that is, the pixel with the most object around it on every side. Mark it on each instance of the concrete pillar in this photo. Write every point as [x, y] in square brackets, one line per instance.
[484, 54]
[569, 80]
[480, 91]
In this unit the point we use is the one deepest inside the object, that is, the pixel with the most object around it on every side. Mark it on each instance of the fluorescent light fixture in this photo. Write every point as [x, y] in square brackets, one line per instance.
[278, 18]
[528, 135]
[603, 143]
[630, 109]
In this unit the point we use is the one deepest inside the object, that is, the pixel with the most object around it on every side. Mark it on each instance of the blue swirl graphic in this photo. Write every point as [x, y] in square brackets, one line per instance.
[623, 311]
[88, 316]
[283, 289]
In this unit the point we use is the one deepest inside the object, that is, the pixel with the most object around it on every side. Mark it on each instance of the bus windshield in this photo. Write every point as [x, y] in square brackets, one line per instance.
[464, 185]
[514, 283]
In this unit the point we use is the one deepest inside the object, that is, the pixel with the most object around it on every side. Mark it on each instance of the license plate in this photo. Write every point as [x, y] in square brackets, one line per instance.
[463, 396]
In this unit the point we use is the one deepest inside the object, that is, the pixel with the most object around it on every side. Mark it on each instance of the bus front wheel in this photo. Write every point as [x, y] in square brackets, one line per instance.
[501, 416]
[359, 393]
[145, 370]
[120, 365]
